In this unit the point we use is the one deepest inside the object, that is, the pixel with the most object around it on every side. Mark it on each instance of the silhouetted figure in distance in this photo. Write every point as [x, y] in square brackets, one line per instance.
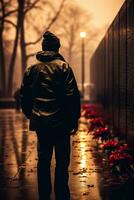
[51, 100]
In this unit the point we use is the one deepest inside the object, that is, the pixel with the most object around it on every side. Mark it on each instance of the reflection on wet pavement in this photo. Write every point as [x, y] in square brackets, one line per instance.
[18, 160]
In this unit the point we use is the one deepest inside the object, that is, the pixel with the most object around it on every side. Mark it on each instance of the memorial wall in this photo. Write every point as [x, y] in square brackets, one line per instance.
[112, 71]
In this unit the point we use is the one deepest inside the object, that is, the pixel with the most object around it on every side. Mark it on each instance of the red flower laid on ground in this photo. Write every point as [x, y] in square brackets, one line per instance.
[91, 110]
[96, 134]
[119, 158]
[96, 123]
[86, 106]
[102, 133]
[121, 163]
[123, 148]
[88, 113]
[111, 145]
[90, 106]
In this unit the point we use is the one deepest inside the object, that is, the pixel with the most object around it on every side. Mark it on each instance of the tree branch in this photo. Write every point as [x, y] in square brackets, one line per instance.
[10, 22]
[30, 55]
[10, 12]
[49, 25]
[31, 6]
[57, 14]
[2, 8]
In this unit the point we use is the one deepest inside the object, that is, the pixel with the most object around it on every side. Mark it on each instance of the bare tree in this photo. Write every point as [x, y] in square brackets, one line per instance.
[2, 57]
[57, 13]
[5, 13]
[14, 52]
[16, 13]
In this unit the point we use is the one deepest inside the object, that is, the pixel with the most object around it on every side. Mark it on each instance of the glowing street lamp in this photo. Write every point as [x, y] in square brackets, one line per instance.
[82, 35]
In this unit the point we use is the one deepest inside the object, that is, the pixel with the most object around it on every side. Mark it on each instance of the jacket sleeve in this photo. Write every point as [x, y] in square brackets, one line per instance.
[26, 93]
[72, 97]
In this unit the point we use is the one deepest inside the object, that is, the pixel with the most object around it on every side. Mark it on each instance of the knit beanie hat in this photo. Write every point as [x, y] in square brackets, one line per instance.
[50, 42]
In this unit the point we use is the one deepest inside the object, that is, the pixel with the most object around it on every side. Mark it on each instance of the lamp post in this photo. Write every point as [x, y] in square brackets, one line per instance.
[82, 35]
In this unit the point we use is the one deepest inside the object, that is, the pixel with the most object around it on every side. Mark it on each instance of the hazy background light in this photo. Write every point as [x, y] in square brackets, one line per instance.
[83, 34]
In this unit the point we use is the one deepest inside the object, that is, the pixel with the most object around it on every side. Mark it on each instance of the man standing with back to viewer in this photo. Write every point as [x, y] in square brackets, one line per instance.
[50, 99]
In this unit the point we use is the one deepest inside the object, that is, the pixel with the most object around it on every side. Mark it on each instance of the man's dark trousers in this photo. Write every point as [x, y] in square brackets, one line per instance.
[48, 140]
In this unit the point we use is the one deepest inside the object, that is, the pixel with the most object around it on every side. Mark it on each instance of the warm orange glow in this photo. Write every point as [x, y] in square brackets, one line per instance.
[103, 11]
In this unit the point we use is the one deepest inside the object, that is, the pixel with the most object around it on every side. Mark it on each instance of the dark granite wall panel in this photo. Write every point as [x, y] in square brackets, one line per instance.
[122, 62]
[96, 67]
[98, 73]
[103, 72]
[110, 71]
[93, 79]
[130, 69]
[105, 76]
[106, 73]
[116, 72]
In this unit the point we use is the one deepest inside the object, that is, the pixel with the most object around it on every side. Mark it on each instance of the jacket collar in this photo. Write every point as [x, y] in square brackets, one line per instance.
[46, 56]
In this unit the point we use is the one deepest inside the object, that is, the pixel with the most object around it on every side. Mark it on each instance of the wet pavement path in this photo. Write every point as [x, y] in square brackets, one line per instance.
[18, 160]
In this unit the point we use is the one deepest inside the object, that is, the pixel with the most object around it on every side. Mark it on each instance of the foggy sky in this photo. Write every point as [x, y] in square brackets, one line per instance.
[103, 11]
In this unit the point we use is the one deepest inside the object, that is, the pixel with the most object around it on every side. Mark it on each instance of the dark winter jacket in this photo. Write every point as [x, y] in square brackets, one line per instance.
[49, 93]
